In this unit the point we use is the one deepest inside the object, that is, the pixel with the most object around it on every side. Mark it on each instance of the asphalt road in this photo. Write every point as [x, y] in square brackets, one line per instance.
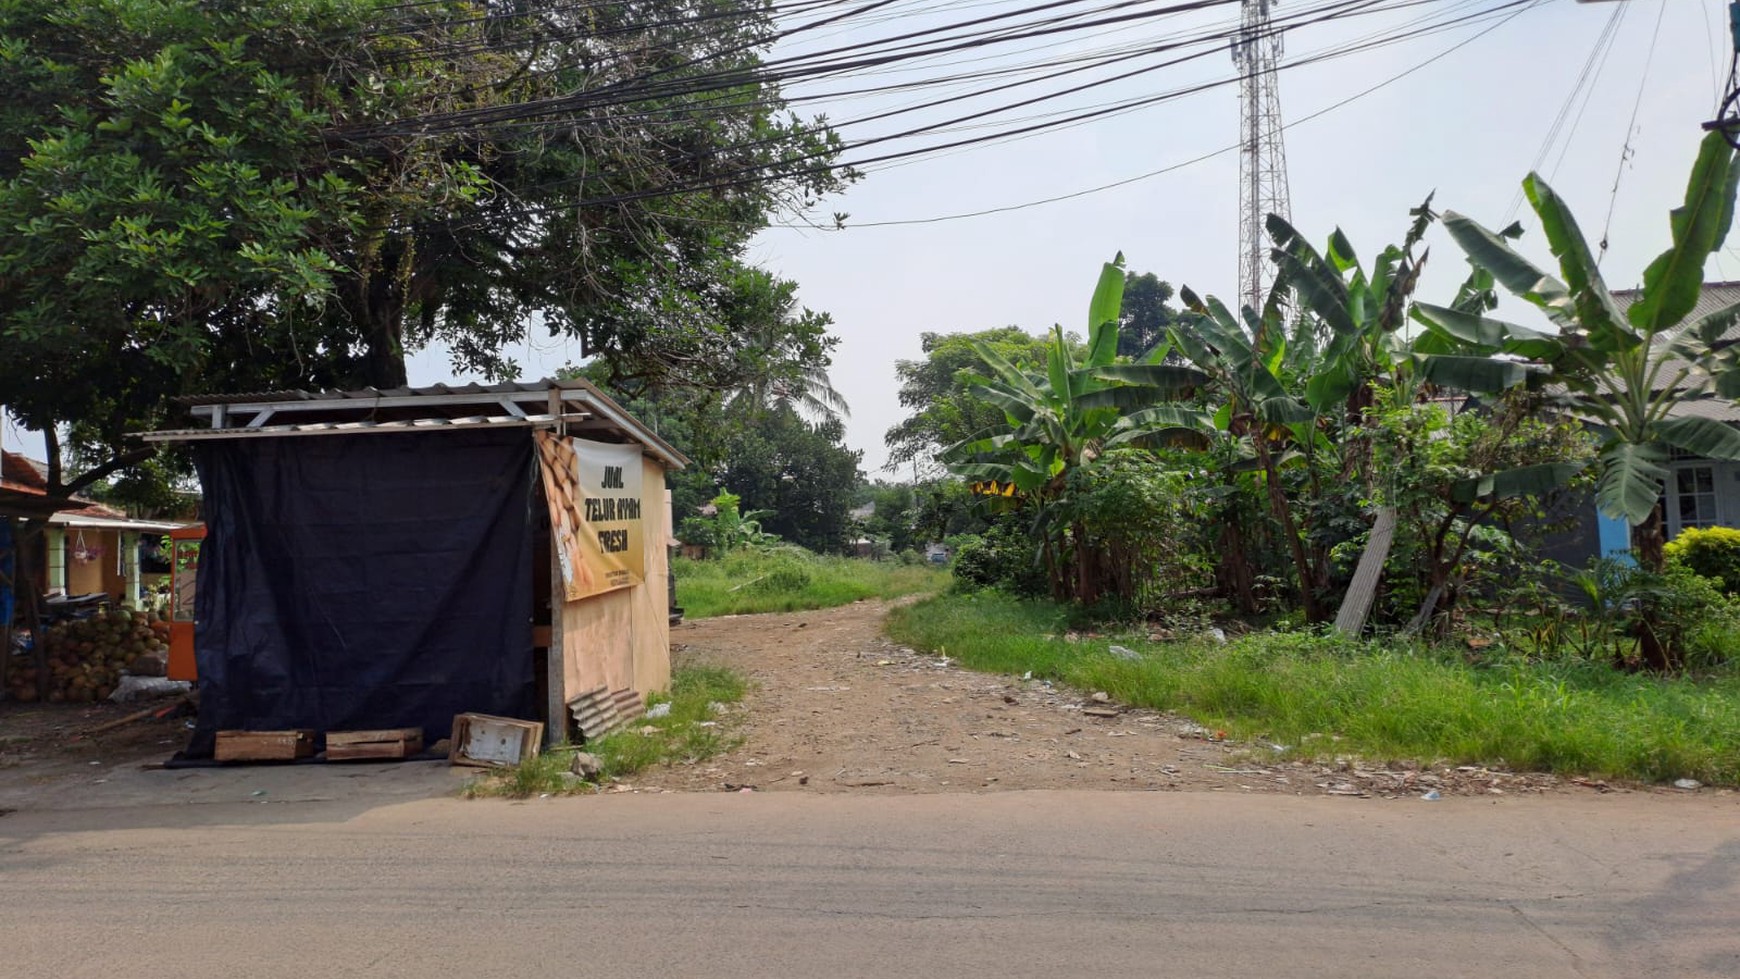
[1009, 884]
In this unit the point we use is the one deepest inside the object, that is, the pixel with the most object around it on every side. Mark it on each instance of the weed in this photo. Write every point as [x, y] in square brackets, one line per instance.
[1384, 699]
[695, 729]
[791, 580]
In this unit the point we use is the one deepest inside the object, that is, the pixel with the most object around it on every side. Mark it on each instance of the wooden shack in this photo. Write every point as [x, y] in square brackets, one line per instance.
[389, 558]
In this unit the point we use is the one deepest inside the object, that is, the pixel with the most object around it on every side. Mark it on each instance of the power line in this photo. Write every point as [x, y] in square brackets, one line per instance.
[1603, 41]
[1206, 156]
[1625, 151]
[743, 176]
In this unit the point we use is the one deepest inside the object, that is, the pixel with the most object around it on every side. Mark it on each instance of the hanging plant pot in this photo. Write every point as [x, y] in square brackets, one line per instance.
[83, 553]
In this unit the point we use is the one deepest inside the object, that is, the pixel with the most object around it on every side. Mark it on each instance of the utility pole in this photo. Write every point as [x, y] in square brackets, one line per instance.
[1262, 156]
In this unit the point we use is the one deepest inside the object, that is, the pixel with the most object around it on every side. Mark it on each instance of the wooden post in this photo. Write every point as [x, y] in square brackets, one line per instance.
[130, 591]
[555, 662]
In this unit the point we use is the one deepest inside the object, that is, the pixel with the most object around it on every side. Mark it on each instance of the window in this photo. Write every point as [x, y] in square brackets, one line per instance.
[1693, 501]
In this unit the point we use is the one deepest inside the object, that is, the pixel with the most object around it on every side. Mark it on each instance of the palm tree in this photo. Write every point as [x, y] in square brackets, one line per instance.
[783, 352]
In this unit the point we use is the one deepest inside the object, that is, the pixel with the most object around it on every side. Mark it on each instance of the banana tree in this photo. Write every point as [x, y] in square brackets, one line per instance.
[1629, 372]
[1248, 362]
[1084, 403]
[1366, 357]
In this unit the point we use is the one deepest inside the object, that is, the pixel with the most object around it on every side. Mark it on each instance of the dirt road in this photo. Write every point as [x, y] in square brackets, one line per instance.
[837, 707]
[834, 707]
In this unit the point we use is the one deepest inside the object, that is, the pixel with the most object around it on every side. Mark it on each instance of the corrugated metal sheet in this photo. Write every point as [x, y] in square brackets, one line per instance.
[341, 428]
[363, 394]
[1713, 297]
[601, 711]
[484, 404]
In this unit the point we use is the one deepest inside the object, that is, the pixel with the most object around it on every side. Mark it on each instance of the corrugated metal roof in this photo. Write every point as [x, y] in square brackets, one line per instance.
[365, 394]
[1713, 408]
[339, 428]
[77, 519]
[1713, 296]
[413, 408]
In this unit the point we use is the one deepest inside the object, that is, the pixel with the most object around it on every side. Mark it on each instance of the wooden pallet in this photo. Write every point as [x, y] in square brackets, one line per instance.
[485, 740]
[264, 745]
[403, 742]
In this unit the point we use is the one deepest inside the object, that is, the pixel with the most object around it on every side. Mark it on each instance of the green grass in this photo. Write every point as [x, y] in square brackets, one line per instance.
[788, 580]
[1383, 700]
[693, 731]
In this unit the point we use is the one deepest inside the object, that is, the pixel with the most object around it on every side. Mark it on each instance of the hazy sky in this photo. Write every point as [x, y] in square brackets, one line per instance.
[1468, 126]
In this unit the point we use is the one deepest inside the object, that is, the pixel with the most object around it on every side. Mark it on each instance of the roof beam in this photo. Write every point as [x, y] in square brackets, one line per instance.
[399, 401]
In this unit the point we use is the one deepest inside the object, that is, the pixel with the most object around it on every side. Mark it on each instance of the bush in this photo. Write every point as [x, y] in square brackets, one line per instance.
[1710, 552]
[785, 575]
[1699, 624]
[1000, 557]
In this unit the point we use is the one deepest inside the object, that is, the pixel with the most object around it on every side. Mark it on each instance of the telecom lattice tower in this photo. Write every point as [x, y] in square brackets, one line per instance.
[1262, 156]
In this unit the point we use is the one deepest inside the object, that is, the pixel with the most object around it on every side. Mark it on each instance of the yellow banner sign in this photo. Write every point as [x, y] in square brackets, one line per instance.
[594, 493]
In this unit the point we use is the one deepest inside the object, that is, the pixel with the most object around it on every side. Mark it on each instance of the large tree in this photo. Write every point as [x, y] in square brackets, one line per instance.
[205, 196]
[946, 409]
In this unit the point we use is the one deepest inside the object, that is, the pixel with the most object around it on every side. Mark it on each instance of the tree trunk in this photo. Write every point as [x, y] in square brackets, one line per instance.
[1362, 591]
[1234, 571]
[1086, 580]
[1647, 539]
[1278, 504]
[377, 305]
[29, 591]
[8, 581]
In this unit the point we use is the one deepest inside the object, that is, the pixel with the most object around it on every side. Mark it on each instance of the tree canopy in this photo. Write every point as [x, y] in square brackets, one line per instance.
[202, 197]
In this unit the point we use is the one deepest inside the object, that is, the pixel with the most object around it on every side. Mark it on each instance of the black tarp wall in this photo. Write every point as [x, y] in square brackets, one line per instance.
[356, 582]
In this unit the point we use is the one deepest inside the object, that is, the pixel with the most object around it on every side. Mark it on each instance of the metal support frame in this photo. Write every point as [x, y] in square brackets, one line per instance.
[1263, 155]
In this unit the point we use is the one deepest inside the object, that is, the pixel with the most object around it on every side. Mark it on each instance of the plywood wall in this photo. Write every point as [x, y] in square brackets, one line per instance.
[622, 639]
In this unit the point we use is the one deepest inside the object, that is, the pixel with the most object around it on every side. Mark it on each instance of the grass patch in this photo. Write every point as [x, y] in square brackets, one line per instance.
[1385, 700]
[695, 729]
[789, 580]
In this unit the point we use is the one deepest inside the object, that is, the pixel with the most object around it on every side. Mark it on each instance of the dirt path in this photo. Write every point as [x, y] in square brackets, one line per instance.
[835, 706]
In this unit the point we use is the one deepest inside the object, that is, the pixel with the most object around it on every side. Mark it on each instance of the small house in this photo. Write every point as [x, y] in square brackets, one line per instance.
[383, 559]
[1699, 492]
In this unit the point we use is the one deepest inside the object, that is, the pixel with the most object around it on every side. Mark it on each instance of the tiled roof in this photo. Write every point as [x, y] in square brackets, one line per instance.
[21, 473]
[1713, 297]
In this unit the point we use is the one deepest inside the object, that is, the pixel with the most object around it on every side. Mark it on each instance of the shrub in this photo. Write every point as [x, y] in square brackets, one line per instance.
[784, 575]
[1710, 552]
[1697, 622]
[1000, 557]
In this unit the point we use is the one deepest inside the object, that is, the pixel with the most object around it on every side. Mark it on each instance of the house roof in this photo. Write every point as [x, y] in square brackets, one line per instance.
[21, 473]
[96, 516]
[1712, 297]
[24, 489]
[574, 404]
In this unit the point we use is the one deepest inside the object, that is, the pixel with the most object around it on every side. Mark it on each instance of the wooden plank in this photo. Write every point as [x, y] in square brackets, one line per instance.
[263, 745]
[366, 737]
[407, 747]
[555, 657]
[486, 740]
[1362, 590]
